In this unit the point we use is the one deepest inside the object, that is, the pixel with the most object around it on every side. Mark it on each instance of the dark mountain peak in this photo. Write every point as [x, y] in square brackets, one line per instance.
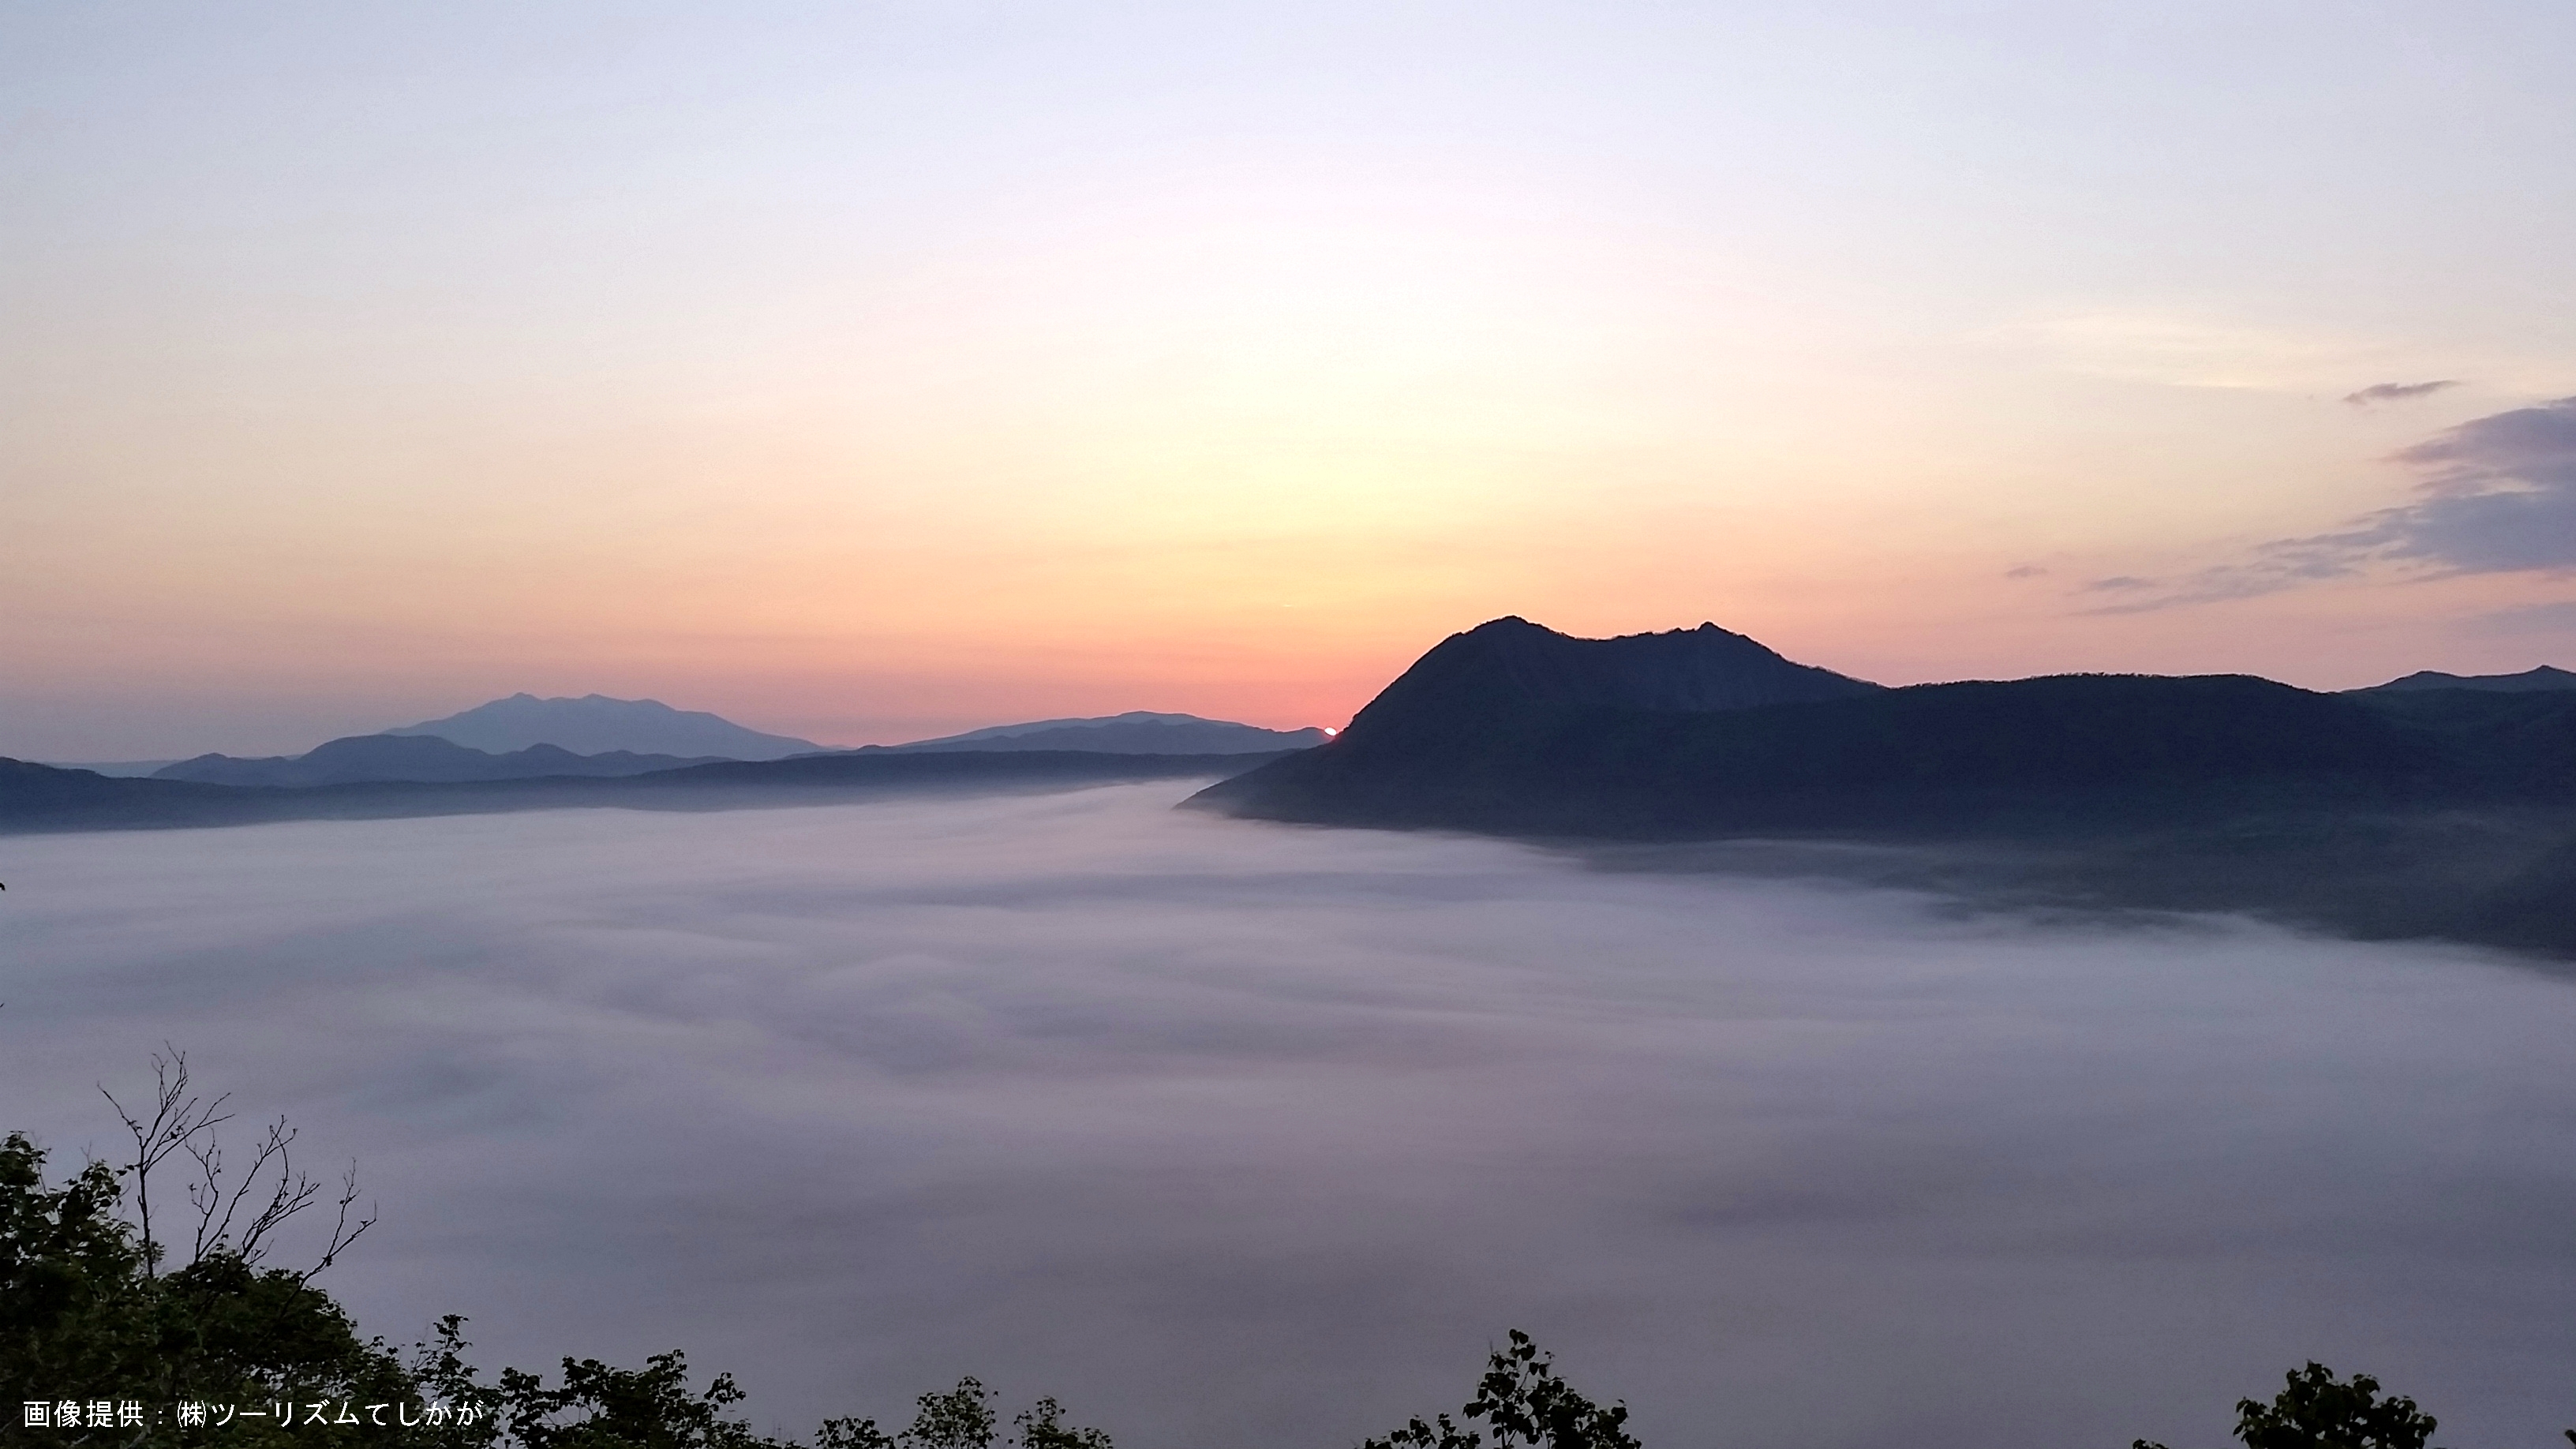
[1510, 667]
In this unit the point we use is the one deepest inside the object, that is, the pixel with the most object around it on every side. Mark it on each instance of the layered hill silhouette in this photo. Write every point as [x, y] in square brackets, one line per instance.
[2529, 681]
[48, 798]
[420, 759]
[598, 727]
[2445, 811]
[595, 724]
[1139, 732]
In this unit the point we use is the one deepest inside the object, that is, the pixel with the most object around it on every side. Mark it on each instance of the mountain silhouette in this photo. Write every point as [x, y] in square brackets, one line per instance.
[424, 759]
[1138, 732]
[2420, 811]
[596, 724]
[1512, 669]
[2528, 681]
[1513, 727]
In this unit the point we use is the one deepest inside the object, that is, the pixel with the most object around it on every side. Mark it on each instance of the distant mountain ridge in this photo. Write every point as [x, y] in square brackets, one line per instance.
[417, 759]
[597, 725]
[37, 797]
[1138, 732]
[2530, 680]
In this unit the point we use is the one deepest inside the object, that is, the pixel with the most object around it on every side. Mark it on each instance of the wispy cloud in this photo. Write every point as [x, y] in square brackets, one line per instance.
[2388, 392]
[2498, 496]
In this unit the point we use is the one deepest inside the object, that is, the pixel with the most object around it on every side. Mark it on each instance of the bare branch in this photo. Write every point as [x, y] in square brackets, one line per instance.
[217, 1208]
[206, 1195]
[177, 1119]
[293, 1194]
[180, 1121]
[342, 1235]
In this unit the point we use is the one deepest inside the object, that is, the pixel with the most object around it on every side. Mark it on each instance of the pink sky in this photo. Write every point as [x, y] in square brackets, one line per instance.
[872, 372]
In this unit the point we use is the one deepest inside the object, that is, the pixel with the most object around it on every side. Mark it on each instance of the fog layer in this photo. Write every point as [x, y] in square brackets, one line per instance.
[1236, 1134]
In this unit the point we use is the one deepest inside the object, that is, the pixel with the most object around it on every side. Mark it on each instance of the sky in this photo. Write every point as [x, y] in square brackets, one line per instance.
[864, 372]
[1232, 1133]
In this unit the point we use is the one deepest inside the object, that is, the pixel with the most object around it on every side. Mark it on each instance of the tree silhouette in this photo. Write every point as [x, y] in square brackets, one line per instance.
[1525, 1402]
[2317, 1411]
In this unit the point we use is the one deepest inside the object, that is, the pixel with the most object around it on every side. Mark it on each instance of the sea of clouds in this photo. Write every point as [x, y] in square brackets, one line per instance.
[1237, 1134]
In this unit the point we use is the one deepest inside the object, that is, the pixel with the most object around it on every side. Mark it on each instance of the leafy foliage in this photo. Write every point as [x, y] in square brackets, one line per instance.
[1040, 1429]
[81, 1307]
[1524, 1401]
[66, 1271]
[2318, 1411]
[963, 1418]
[99, 1307]
[646, 1408]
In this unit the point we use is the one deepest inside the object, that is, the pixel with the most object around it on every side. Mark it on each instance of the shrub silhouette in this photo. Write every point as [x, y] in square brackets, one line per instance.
[1523, 1400]
[2318, 1411]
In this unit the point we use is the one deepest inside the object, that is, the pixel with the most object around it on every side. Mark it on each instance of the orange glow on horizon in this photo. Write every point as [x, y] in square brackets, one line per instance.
[865, 401]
